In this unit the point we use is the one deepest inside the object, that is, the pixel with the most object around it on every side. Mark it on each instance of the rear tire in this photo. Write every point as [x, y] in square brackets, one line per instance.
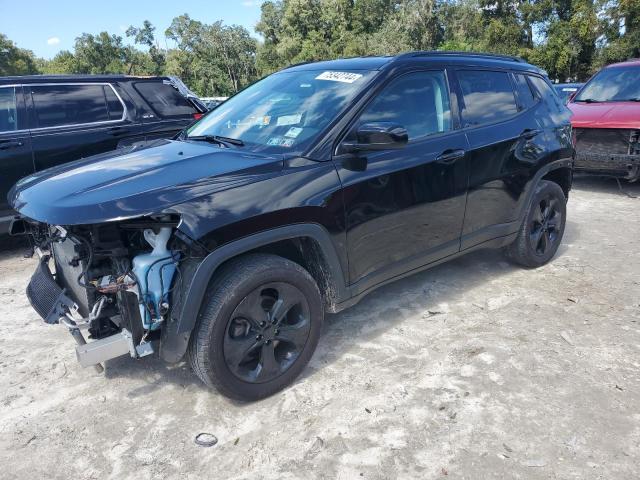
[258, 327]
[543, 227]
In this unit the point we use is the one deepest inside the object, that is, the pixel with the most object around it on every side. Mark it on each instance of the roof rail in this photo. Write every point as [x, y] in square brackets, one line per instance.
[497, 56]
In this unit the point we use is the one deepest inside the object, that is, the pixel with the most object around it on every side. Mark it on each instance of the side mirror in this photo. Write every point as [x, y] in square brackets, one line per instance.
[378, 136]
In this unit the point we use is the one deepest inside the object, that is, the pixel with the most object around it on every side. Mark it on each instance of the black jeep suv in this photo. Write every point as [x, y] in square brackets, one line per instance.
[46, 120]
[296, 197]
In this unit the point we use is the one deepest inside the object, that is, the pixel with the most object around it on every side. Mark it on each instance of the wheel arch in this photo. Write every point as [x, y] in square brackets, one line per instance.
[558, 171]
[309, 245]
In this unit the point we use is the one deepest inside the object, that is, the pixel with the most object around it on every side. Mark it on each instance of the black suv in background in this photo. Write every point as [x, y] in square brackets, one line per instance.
[296, 197]
[48, 120]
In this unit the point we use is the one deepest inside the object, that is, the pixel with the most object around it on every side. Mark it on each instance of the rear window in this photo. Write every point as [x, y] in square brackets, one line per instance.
[165, 100]
[59, 105]
[488, 97]
[8, 110]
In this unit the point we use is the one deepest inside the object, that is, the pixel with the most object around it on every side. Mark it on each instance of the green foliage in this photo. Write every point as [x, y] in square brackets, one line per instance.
[570, 39]
[14, 60]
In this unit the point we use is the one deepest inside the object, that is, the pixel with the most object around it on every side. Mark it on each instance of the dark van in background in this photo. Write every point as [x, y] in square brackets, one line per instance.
[53, 119]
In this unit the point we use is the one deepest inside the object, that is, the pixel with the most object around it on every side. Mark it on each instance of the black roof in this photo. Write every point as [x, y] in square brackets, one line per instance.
[75, 78]
[450, 57]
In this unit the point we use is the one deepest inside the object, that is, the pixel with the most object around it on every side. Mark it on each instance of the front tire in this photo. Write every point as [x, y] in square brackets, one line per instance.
[543, 227]
[258, 327]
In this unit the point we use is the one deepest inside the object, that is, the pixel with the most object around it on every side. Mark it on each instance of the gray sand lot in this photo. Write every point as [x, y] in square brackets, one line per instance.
[475, 369]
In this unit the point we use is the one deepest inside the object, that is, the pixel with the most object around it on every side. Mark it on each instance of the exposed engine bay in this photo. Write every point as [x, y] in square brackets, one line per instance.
[113, 280]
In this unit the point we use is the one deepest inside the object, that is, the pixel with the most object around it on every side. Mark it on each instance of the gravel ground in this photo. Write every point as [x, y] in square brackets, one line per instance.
[475, 369]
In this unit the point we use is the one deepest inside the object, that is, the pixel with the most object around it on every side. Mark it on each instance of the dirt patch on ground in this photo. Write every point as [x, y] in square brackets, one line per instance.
[474, 369]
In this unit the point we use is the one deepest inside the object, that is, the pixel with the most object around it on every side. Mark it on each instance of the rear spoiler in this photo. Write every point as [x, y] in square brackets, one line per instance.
[179, 85]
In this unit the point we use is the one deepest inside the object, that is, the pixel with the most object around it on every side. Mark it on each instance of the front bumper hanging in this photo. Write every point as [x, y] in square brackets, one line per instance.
[46, 296]
[51, 302]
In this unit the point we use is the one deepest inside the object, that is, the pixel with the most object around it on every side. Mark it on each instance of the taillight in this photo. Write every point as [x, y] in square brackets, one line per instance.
[197, 116]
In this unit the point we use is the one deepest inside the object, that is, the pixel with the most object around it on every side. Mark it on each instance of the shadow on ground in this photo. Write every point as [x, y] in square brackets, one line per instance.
[606, 185]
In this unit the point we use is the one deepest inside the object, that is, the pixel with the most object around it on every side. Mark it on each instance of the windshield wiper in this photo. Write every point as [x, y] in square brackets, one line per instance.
[588, 100]
[224, 141]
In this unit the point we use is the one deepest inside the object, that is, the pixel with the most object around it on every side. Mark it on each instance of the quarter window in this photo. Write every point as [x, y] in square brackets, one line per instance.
[547, 93]
[488, 97]
[8, 110]
[525, 95]
[58, 105]
[417, 101]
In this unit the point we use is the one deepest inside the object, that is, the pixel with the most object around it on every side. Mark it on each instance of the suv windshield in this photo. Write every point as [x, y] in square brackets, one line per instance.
[284, 112]
[614, 84]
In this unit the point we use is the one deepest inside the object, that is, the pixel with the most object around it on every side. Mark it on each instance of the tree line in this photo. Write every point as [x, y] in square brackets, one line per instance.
[570, 39]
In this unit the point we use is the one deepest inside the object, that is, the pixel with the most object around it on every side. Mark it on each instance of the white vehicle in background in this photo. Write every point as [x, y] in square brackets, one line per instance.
[213, 102]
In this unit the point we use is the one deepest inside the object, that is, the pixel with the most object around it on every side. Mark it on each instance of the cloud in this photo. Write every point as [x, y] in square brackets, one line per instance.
[53, 41]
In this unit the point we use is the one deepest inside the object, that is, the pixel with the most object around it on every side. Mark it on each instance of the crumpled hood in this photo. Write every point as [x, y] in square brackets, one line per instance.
[136, 181]
[605, 115]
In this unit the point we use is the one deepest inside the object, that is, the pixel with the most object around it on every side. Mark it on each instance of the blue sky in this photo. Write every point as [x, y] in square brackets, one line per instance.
[46, 27]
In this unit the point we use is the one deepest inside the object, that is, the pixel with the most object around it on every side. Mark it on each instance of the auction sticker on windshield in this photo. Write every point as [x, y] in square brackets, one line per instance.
[293, 132]
[344, 77]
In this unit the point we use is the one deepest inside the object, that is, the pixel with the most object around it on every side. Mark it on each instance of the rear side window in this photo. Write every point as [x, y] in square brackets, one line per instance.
[417, 101]
[165, 100]
[523, 89]
[8, 110]
[488, 97]
[547, 93]
[59, 105]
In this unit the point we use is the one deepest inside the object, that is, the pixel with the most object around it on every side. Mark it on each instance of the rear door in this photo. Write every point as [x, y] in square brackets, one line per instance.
[76, 120]
[502, 132]
[15, 144]
[170, 110]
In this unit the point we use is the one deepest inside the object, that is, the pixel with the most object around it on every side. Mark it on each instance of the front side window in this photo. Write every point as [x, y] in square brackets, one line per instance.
[8, 110]
[487, 97]
[417, 101]
[613, 84]
[59, 105]
[286, 111]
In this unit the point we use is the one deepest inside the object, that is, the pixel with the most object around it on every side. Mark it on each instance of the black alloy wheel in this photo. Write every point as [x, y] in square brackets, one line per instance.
[267, 332]
[542, 229]
[258, 326]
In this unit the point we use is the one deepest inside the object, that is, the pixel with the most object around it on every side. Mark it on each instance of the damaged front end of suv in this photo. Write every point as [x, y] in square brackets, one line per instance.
[113, 283]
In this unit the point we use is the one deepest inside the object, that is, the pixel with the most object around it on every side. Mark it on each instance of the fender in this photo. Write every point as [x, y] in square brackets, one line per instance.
[554, 165]
[175, 335]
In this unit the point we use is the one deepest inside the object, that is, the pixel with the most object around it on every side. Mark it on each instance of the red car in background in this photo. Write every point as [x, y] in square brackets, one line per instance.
[606, 122]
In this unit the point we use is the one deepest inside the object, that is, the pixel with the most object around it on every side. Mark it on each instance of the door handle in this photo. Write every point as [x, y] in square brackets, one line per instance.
[529, 133]
[450, 156]
[7, 144]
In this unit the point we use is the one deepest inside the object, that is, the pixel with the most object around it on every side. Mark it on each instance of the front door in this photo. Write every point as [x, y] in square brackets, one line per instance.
[404, 208]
